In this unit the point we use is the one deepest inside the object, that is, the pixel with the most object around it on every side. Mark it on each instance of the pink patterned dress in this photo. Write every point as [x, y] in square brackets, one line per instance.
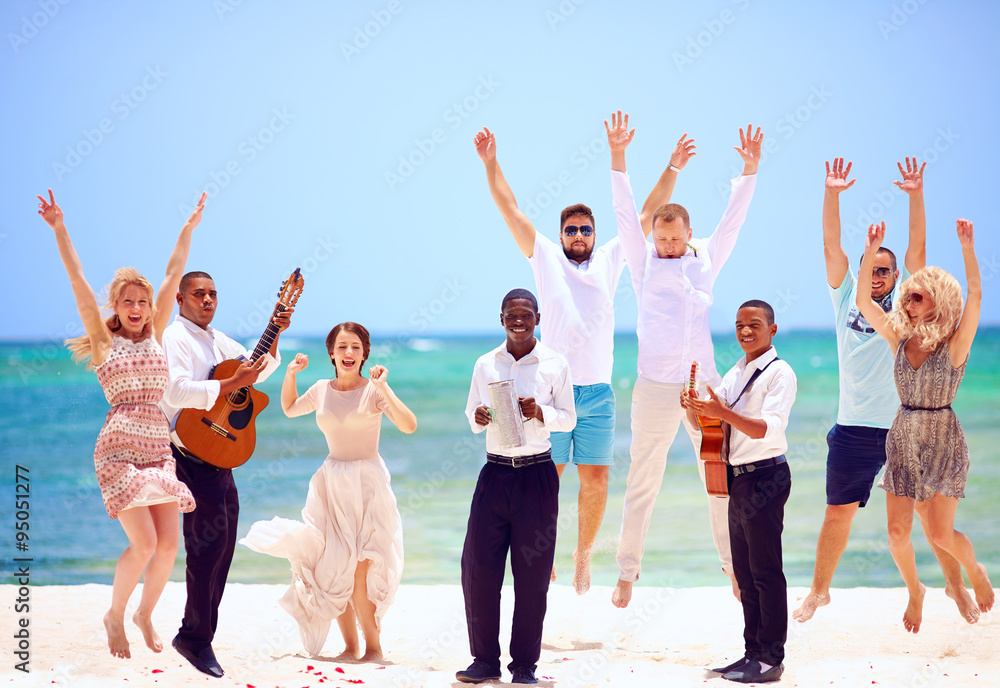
[132, 457]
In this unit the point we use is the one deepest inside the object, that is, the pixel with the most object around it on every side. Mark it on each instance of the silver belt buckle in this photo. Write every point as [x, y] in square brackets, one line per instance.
[514, 464]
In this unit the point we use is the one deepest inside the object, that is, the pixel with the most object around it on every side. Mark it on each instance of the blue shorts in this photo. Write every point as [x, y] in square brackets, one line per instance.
[857, 454]
[593, 438]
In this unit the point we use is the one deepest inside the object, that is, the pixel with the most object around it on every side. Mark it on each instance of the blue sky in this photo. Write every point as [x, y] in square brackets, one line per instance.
[338, 137]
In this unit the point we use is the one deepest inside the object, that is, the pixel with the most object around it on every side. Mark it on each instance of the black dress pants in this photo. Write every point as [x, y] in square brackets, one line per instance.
[514, 509]
[756, 519]
[209, 543]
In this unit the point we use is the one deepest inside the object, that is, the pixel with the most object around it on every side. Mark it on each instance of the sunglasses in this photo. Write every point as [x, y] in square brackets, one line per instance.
[915, 297]
[882, 272]
[585, 230]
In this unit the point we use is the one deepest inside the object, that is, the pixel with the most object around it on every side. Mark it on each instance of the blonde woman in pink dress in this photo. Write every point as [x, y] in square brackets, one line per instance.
[347, 555]
[135, 469]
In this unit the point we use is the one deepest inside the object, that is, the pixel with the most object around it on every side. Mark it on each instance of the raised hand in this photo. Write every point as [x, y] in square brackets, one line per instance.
[300, 363]
[749, 149]
[836, 178]
[965, 236]
[913, 178]
[876, 234]
[683, 152]
[378, 375]
[618, 134]
[196, 214]
[50, 212]
[486, 145]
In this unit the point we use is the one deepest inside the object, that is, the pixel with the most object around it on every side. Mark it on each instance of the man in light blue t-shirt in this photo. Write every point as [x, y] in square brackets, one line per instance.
[868, 398]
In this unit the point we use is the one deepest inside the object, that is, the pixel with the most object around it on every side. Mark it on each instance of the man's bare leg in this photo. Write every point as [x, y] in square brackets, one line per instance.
[592, 500]
[833, 536]
[954, 586]
[560, 467]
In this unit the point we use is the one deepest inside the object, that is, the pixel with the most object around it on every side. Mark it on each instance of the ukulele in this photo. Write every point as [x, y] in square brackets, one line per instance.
[716, 470]
[224, 436]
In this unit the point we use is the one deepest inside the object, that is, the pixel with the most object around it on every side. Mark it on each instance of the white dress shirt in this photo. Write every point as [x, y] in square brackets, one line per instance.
[675, 294]
[577, 306]
[191, 354]
[542, 374]
[770, 399]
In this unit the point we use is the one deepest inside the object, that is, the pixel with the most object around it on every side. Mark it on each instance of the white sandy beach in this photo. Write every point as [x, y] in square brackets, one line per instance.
[667, 637]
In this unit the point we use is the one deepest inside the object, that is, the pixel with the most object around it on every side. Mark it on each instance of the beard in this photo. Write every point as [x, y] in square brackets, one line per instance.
[579, 254]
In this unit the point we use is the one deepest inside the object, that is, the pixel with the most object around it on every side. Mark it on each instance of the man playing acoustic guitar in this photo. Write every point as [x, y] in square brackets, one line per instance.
[673, 277]
[193, 348]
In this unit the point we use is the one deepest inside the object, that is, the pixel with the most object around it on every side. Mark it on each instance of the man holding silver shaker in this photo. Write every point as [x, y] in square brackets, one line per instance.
[521, 391]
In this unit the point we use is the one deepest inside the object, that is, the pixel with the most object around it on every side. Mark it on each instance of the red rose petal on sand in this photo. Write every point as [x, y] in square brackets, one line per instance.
[309, 667]
[339, 670]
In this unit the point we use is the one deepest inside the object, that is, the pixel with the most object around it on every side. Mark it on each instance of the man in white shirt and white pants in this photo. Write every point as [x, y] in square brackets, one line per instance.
[576, 284]
[673, 278]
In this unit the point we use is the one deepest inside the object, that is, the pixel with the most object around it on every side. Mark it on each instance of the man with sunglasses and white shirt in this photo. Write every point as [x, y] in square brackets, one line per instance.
[576, 284]
[868, 398]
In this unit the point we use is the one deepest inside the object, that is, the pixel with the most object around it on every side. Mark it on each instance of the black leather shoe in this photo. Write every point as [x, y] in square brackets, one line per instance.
[204, 661]
[731, 667]
[477, 673]
[523, 675]
[751, 673]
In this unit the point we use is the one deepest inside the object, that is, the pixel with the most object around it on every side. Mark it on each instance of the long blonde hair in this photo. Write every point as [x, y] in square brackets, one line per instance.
[124, 277]
[940, 323]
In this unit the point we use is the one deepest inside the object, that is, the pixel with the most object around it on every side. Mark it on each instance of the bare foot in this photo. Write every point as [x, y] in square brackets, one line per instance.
[581, 577]
[736, 587]
[149, 634]
[984, 590]
[812, 602]
[552, 576]
[622, 594]
[348, 655]
[117, 642]
[966, 605]
[372, 656]
[914, 613]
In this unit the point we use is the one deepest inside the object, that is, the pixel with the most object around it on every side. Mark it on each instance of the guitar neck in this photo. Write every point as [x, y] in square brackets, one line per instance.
[267, 339]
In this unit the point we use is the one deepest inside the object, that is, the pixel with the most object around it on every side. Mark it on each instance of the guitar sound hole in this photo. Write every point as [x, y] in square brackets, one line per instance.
[239, 397]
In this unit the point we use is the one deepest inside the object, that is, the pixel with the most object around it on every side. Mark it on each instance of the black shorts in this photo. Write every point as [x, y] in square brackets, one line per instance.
[857, 454]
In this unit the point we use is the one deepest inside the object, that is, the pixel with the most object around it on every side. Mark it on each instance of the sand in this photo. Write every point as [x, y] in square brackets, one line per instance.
[667, 637]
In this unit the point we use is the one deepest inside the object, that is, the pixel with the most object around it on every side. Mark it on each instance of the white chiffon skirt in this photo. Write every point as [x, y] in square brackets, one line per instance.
[350, 516]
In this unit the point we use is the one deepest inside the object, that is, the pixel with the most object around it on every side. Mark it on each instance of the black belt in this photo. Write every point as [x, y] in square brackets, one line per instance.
[742, 468]
[519, 461]
[194, 459]
[924, 408]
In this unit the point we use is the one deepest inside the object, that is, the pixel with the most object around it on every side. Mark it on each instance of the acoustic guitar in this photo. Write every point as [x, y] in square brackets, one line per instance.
[224, 435]
[716, 471]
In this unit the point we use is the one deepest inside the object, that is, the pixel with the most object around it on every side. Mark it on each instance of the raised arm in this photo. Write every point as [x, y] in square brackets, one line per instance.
[517, 222]
[86, 301]
[873, 313]
[961, 341]
[175, 270]
[836, 258]
[664, 189]
[291, 403]
[398, 412]
[913, 185]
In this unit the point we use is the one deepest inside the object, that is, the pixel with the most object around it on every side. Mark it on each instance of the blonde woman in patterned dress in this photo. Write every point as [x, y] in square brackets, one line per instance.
[135, 469]
[927, 459]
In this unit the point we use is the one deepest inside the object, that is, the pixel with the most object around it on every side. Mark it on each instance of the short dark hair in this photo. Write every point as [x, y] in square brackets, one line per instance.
[670, 212]
[892, 257]
[519, 294]
[354, 328]
[186, 279]
[576, 209]
[763, 305]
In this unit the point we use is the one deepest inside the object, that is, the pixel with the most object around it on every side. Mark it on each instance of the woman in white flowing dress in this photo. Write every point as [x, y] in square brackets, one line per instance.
[347, 554]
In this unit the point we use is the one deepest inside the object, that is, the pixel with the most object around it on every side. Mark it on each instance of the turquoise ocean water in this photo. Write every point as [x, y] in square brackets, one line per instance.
[51, 411]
